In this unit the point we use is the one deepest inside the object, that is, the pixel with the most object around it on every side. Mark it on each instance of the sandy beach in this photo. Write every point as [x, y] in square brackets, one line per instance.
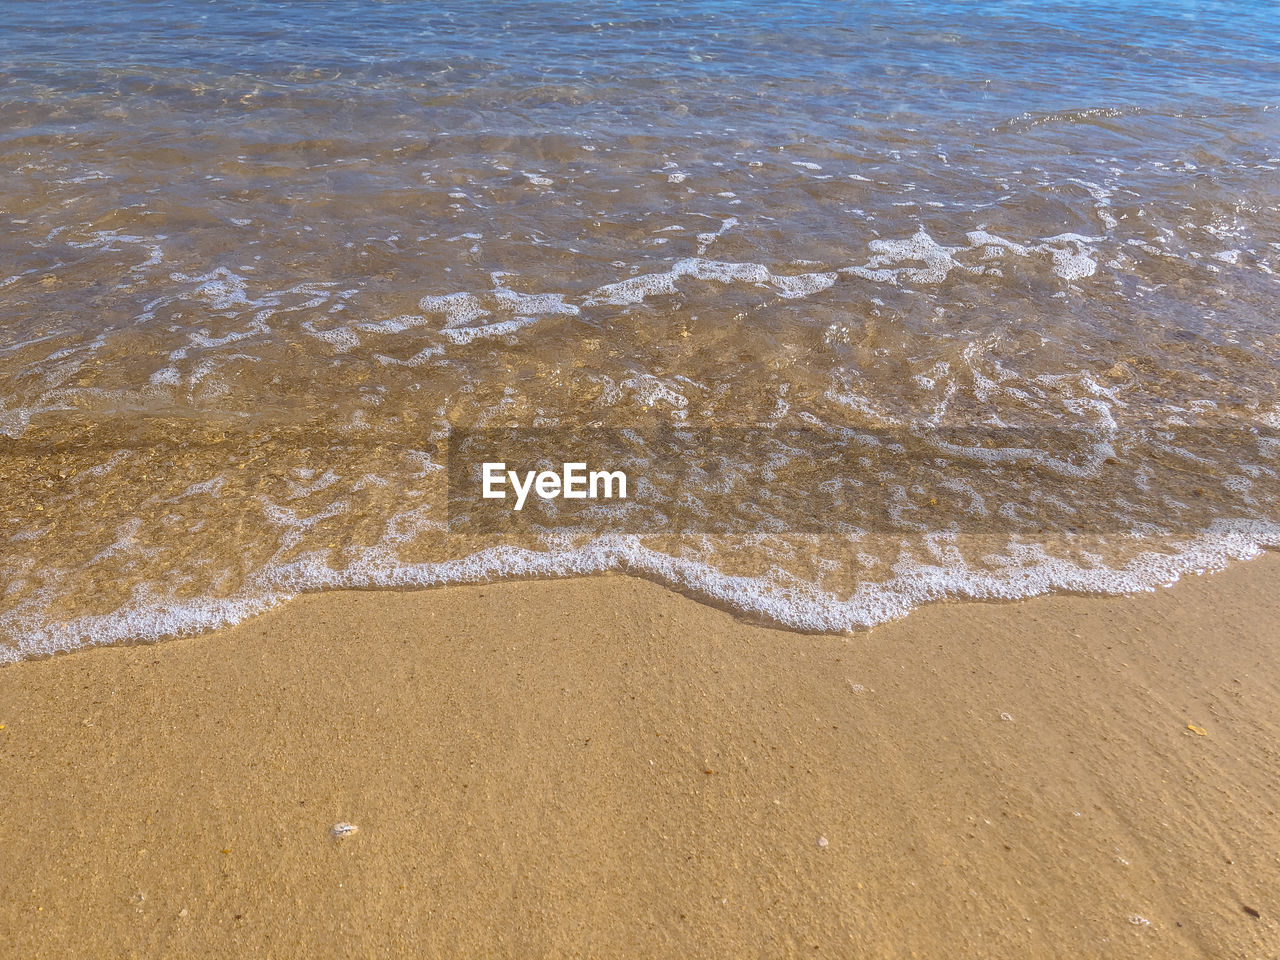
[639, 479]
[603, 768]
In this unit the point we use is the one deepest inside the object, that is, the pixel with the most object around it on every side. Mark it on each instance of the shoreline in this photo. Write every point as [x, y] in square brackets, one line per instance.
[750, 606]
[602, 766]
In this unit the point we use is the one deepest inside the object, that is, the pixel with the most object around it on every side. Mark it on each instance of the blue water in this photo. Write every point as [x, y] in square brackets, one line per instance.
[830, 63]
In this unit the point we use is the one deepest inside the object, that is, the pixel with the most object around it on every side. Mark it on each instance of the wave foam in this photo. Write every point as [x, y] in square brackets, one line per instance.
[786, 602]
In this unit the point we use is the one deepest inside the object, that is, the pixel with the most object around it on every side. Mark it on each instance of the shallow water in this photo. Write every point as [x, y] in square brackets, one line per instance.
[877, 303]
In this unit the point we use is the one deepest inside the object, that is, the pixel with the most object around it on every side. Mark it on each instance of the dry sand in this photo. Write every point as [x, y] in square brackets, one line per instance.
[604, 768]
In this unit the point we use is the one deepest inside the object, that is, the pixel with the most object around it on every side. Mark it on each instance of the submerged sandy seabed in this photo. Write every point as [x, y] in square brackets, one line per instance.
[601, 767]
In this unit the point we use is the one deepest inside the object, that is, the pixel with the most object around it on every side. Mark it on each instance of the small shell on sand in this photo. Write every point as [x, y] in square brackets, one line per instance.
[341, 830]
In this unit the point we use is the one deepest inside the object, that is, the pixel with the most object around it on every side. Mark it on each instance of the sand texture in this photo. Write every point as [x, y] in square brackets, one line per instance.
[603, 768]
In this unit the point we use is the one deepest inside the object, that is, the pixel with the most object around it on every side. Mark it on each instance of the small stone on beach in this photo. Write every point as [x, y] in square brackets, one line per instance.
[341, 830]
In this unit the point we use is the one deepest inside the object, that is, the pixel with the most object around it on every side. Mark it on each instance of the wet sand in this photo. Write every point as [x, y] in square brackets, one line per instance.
[601, 767]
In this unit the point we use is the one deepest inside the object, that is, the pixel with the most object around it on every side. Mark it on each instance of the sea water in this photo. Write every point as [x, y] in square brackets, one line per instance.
[877, 303]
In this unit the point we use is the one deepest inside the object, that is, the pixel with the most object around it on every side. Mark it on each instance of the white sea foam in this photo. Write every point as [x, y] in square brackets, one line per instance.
[459, 308]
[637, 289]
[937, 260]
[469, 315]
[465, 334]
[781, 599]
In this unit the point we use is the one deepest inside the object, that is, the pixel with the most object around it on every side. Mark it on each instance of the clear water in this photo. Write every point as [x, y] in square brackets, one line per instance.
[882, 302]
